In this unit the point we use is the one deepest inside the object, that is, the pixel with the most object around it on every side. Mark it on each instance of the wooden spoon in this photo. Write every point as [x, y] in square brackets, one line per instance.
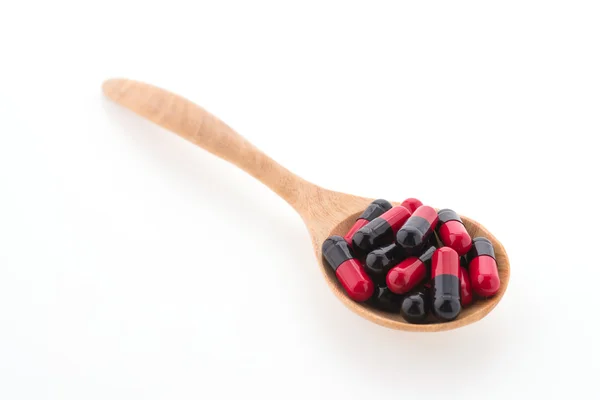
[324, 212]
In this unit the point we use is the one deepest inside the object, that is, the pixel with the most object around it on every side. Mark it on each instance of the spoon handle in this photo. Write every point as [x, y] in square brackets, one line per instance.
[195, 124]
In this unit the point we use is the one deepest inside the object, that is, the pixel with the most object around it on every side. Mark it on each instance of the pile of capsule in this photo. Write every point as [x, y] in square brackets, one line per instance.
[412, 260]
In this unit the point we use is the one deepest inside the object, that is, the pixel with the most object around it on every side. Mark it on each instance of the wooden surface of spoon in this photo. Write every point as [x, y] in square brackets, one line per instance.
[324, 212]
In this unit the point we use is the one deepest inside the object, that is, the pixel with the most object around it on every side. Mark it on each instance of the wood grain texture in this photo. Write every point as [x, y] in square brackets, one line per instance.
[324, 212]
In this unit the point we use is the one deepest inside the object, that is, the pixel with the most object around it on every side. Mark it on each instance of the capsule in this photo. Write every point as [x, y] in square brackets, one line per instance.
[452, 231]
[415, 307]
[466, 293]
[411, 204]
[348, 270]
[403, 277]
[383, 299]
[445, 272]
[374, 210]
[381, 231]
[483, 269]
[379, 261]
[415, 233]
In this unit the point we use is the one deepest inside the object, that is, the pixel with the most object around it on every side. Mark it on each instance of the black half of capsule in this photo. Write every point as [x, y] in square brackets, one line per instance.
[376, 234]
[415, 306]
[379, 261]
[481, 247]
[426, 258]
[386, 300]
[335, 251]
[375, 209]
[414, 234]
[446, 296]
[446, 215]
[434, 240]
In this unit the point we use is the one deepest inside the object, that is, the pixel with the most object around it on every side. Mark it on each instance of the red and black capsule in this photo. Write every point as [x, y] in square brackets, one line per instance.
[445, 270]
[483, 269]
[452, 231]
[415, 233]
[415, 307]
[411, 204]
[381, 231]
[348, 270]
[379, 261]
[383, 299]
[403, 277]
[466, 293]
[374, 210]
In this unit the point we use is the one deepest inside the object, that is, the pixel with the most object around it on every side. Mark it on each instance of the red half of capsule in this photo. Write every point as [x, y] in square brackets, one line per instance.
[445, 261]
[485, 280]
[355, 280]
[396, 217]
[466, 294]
[411, 204]
[454, 234]
[406, 275]
[357, 225]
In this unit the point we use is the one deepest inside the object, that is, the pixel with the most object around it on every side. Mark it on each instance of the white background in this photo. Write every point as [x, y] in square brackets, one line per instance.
[134, 265]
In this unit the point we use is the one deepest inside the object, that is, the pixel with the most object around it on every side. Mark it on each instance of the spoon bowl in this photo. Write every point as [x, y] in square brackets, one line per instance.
[477, 310]
[325, 212]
